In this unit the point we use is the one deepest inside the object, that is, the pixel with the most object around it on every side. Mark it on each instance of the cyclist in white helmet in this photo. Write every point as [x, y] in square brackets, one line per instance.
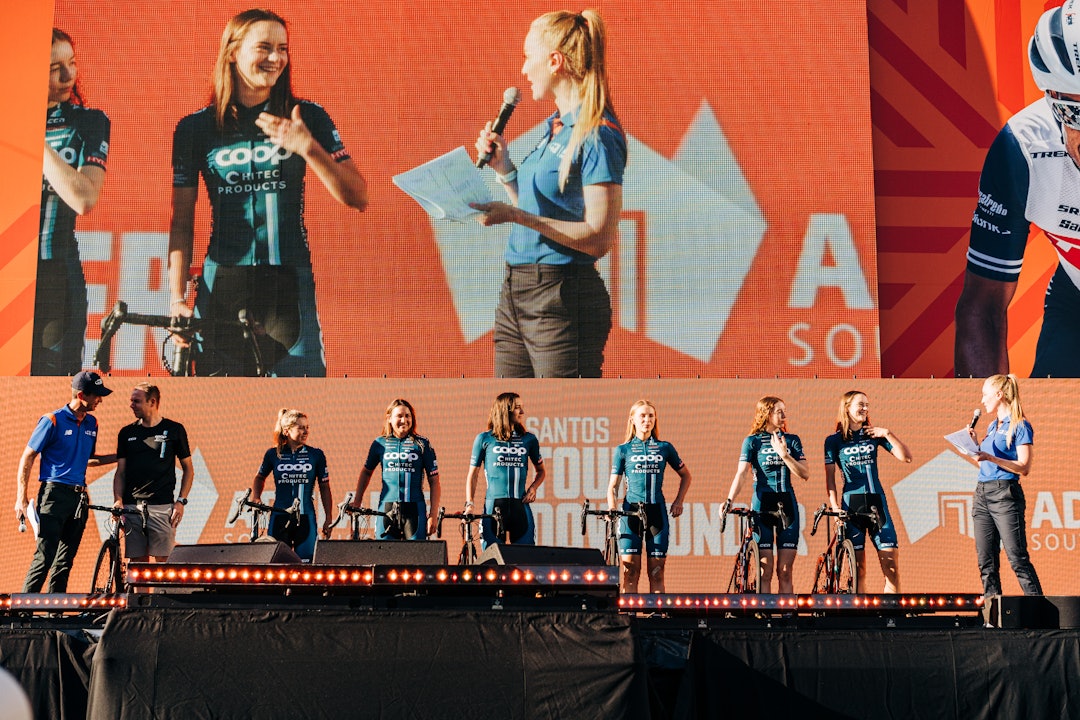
[1031, 176]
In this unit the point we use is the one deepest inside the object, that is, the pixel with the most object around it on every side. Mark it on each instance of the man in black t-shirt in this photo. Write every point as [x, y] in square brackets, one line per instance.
[146, 455]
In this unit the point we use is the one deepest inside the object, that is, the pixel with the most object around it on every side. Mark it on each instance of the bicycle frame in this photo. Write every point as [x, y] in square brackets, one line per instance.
[468, 553]
[258, 511]
[611, 527]
[837, 567]
[356, 513]
[111, 580]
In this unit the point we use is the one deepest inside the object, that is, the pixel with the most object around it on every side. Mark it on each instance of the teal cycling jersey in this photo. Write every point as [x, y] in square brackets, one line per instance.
[642, 464]
[256, 188]
[295, 475]
[81, 137]
[771, 473]
[506, 462]
[857, 460]
[404, 462]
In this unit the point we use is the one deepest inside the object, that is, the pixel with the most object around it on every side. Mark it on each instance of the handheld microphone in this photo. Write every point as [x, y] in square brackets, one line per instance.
[510, 101]
[974, 419]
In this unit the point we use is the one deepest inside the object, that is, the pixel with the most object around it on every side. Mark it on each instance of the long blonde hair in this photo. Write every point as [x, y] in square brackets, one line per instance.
[286, 420]
[281, 95]
[1009, 388]
[843, 417]
[765, 407]
[581, 39]
[655, 435]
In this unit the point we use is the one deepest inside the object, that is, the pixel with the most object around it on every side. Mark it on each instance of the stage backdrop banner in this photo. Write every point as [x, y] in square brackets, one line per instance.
[746, 244]
[578, 424]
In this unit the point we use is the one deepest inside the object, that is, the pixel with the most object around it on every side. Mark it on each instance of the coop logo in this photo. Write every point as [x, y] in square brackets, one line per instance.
[273, 154]
[295, 467]
[401, 456]
[509, 451]
[857, 449]
[651, 457]
[716, 243]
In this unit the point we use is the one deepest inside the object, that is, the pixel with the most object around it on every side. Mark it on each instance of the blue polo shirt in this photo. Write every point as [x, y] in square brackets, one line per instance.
[995, 443]
[600, 159]
[65, 445]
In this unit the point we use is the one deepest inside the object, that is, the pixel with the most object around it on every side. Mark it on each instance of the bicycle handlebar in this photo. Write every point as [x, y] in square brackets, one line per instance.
[140, 511]
[845, 515]
[244, 502]
[467, 518]
[613, 514]
[345, 508]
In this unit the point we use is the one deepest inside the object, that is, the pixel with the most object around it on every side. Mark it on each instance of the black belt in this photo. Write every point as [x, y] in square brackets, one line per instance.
[543, 270]
[73, 488]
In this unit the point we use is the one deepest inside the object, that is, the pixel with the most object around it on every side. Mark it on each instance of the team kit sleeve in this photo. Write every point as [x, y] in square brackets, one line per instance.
[268, 462]
[44, 433]
[795, 447]
[324, 131]
[672, 456]
[95, 139]
[374, 455]
[748, 451]
[533, 446]
[832, 450]
[603, 157]
[618, 461]
[431, 463]
[185, 168]
[322, 468]
[478, 451]
[999, 229]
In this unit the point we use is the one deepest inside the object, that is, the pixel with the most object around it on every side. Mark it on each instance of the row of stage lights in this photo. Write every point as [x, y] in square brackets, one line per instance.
[61, 602]
[801, 603]
[327, 577]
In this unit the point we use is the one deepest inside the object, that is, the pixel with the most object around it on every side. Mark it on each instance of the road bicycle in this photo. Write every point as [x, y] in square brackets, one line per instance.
[183, 331]
[837, 572]
[611, 527]
[108, 574]
[260, 513]
[746, 575]
[469, 534]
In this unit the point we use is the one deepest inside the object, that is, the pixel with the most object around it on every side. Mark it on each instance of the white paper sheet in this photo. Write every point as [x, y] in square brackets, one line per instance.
[962, 441]
[445, 186]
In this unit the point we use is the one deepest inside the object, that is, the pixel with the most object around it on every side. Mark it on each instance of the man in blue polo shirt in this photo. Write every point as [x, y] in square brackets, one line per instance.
[66, 440]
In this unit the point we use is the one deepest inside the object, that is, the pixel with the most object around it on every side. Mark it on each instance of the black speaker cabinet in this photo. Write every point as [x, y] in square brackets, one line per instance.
[1040, 612]
[246, 553]
[380, 552]
[499, 554]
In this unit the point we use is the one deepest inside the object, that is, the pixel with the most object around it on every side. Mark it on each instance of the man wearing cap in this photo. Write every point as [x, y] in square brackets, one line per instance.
[66, 440]
[146, 455]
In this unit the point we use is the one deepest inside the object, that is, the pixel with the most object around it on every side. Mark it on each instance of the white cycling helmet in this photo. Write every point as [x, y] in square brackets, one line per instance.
[1054, 49]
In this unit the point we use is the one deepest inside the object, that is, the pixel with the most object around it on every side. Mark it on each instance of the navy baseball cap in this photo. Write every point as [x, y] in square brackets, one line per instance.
[89, 382]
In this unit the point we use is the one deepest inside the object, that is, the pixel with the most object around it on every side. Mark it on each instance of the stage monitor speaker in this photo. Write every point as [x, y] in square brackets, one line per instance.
[245, 553]
[380, 552]
[1040, 612]
[499, 554]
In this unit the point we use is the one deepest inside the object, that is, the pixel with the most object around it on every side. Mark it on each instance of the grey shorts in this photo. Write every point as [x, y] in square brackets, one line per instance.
[158, 527]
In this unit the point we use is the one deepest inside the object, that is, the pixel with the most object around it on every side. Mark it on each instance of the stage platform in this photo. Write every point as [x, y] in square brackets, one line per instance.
[290, 652]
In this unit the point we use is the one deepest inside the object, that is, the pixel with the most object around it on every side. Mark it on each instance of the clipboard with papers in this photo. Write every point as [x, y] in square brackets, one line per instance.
[961, 440]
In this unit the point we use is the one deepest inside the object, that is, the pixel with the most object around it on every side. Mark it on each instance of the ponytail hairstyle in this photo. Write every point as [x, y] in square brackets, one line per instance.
[224, 79]
[765, 407]
[581, 39]
[1009, 389]
[286, 420]
[59, 35]
[388, 431]
[843, 416]
[500, 421]
[630, 429]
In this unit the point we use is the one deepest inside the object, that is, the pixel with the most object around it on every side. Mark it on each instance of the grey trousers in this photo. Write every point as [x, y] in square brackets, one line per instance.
[553, 321]
[998, 516]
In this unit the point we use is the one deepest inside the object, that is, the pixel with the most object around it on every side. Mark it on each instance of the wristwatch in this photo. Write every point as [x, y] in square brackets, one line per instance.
[182, 501]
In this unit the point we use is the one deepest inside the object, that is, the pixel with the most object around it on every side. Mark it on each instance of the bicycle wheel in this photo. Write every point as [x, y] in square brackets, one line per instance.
[752, 569]
[821, 574]
[847, 572]
[106, 570]
[735, 582]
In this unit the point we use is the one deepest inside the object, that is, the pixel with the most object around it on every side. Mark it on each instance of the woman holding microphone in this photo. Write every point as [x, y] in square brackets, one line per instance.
[1005, 455]
[554, 312]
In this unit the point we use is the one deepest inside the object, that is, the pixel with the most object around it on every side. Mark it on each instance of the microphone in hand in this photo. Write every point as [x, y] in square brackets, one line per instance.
[510, 100]
[974, 419]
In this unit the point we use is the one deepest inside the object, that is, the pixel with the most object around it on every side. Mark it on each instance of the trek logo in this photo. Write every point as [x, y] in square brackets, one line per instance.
[1044, 154]
[858, 449]
[264, 152]
[651, 457]
[401, 456]
[508, 451]
[295, 467]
